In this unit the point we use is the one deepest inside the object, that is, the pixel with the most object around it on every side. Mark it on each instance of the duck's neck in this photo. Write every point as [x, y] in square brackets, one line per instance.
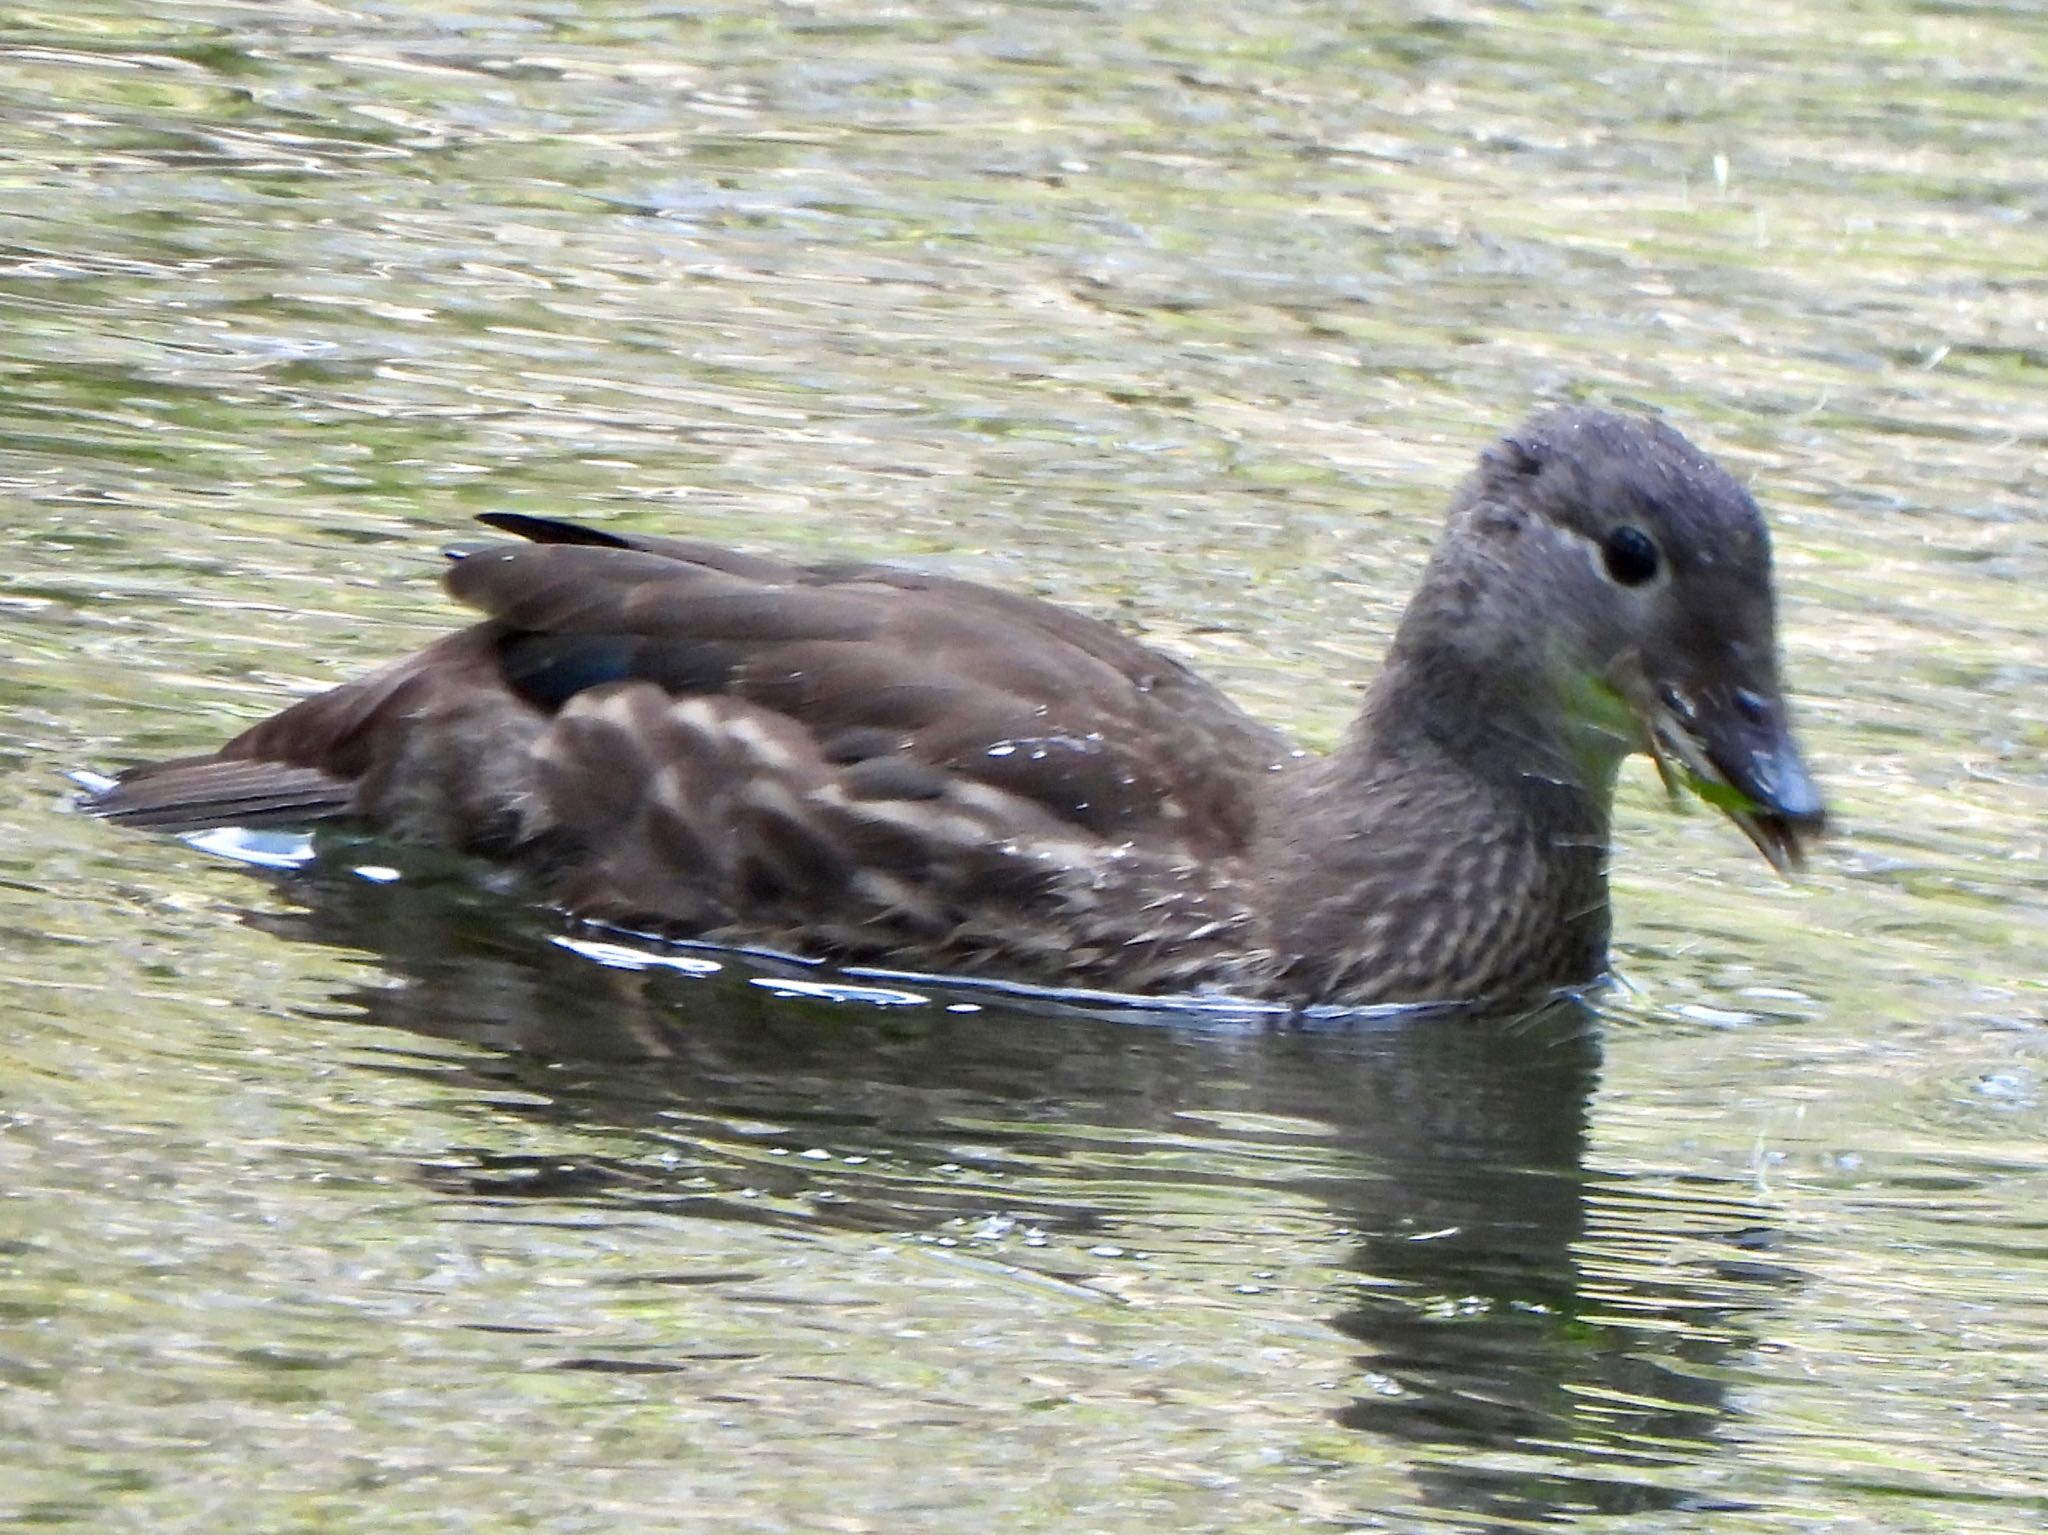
[1453, 847]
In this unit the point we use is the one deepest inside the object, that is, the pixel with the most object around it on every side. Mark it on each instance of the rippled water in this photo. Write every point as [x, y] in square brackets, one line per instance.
[342, 1204]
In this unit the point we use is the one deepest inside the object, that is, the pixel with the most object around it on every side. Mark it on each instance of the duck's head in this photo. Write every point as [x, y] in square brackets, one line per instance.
[1613, 585]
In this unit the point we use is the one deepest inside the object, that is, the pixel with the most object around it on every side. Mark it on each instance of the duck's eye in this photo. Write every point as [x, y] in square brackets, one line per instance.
[1631, 555]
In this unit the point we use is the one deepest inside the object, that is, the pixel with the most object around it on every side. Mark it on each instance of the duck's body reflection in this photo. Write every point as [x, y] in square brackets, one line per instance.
[1454, 1154]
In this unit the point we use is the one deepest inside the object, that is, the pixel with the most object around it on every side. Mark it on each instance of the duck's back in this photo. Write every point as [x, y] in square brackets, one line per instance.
[848, 758]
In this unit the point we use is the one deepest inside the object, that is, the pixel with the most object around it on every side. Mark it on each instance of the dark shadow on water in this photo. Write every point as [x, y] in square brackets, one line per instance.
[1534, 1380]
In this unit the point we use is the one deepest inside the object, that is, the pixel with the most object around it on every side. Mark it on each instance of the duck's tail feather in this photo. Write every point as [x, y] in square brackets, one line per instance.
[198, 793]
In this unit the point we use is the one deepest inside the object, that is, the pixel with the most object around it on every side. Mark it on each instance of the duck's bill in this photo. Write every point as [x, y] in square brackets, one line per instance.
[1755, 777]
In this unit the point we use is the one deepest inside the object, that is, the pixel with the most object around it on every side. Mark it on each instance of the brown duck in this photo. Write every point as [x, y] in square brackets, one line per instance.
[870, 764]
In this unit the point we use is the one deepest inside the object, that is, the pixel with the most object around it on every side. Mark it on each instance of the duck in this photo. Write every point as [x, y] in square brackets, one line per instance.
[864, 764]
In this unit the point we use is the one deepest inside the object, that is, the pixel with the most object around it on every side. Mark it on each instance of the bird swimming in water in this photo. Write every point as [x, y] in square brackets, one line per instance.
[872, 765]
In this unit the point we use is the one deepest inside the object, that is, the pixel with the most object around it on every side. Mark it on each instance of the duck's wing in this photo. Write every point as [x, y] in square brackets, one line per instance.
[879, 684]
[889, 675]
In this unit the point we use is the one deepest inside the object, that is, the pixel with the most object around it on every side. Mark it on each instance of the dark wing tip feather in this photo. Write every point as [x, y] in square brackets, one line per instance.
[551, 530]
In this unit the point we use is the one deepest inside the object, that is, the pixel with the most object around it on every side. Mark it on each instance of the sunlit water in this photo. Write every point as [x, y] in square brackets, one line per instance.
[341, 1202]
